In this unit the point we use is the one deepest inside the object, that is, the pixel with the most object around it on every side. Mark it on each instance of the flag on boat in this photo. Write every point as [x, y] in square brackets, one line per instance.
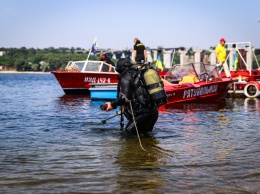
[235, 62]
[94, 47]
[159, 63]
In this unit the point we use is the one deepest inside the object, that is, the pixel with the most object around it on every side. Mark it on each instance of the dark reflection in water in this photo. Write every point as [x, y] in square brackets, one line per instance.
[138, 169]
[221, 105]
[52, 143]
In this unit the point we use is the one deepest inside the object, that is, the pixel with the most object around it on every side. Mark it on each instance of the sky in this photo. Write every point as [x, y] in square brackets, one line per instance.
[168, 23]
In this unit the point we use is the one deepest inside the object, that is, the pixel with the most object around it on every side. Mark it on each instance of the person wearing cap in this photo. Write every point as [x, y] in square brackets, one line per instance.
[221, 56]
[139, 53]
[143, 115]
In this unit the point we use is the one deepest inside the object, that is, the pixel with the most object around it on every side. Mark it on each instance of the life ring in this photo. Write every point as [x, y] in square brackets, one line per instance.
[251, 90]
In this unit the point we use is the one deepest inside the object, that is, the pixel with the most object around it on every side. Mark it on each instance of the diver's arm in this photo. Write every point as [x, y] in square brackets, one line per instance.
[125, 93]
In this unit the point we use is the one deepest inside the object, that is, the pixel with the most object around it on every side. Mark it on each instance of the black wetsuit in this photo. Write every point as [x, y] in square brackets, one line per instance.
[139, 48]
[145, 116]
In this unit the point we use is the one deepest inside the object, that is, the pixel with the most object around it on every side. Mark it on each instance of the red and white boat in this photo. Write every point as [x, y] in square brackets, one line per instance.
[246, 77]
[78, 76]
[195, 83]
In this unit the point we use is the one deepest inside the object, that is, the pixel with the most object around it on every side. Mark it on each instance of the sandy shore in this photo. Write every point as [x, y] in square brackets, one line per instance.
[25, 72]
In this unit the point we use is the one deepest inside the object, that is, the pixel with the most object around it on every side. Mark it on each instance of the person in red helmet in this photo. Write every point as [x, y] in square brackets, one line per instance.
[221, 56]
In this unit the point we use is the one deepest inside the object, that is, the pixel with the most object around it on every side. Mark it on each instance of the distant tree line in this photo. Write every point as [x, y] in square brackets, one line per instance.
[48, 59]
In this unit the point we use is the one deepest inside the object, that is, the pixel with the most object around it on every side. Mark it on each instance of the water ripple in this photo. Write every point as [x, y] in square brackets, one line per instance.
[52, 143]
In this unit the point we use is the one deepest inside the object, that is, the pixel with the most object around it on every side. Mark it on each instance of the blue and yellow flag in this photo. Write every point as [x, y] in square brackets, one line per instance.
[159, 63]
[235, 62]
[94, 47]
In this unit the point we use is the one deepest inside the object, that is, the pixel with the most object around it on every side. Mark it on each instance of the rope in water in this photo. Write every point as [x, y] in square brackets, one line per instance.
[184, 166]
[173, 155]
[139, 139]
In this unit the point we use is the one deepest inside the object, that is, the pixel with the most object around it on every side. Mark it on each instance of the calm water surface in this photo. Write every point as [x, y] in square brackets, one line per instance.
[52, 143]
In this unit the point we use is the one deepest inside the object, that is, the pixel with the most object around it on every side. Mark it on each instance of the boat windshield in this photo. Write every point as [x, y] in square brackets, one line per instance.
[91, 66]
[79, 64]
[192, 71]
[98, 66]
[95, 66]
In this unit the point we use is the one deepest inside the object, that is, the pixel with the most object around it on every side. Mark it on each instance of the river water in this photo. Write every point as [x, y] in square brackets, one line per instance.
[52, 143]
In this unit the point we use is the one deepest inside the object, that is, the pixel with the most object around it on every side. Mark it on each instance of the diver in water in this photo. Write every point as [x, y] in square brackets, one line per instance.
[144, 115]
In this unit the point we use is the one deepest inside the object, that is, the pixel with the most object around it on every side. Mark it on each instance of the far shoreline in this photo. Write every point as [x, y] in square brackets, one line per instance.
[24, 72]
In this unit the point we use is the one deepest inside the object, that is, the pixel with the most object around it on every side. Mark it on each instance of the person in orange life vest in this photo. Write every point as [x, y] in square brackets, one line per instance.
[106, 59]
[139, 53]
[221, 56]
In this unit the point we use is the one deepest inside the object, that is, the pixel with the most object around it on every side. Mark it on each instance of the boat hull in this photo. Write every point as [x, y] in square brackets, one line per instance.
[202, 92]
[78, 83]
[176, 93]
[103, 91]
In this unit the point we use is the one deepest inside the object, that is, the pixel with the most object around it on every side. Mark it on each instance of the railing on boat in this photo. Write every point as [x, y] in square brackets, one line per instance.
[236, 51]
[87, 66]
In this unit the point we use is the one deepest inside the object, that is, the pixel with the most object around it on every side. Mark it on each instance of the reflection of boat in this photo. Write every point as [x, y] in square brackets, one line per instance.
[78, 76]
[196, 83]
[196, 106]
[252, 104]
[246, 80]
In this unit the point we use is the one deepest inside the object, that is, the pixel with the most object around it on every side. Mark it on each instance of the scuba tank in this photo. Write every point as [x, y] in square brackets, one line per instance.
[155, 87]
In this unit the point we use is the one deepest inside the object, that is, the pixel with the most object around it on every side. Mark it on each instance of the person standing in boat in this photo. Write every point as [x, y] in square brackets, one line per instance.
[221, 56]
[143, 115]
[139, 51]
[106, 59]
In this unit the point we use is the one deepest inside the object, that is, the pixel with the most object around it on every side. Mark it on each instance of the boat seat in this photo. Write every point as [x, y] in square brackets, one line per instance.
[189, 79]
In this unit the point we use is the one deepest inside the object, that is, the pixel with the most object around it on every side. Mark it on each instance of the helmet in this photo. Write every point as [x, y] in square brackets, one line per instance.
[122, 64]
[222, 40]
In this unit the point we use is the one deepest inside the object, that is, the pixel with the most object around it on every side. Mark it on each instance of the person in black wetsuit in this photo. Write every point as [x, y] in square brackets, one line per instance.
[139, 51]
[146, 115]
